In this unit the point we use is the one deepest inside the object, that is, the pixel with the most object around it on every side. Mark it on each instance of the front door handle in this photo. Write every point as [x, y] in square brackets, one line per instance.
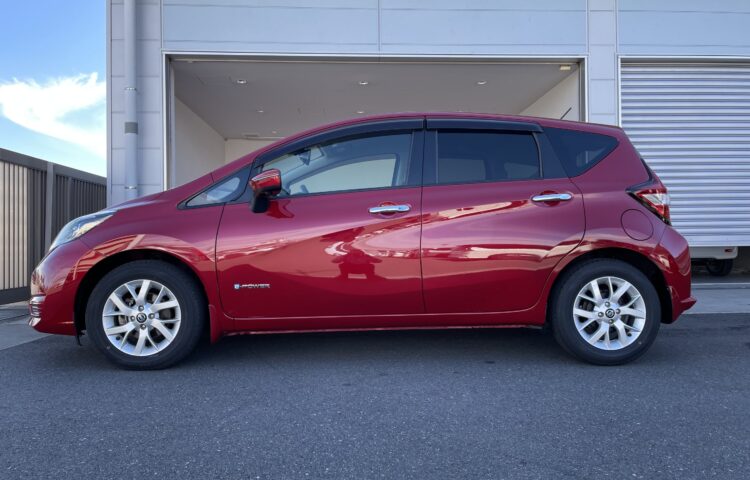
[386, 209]
[552, 197]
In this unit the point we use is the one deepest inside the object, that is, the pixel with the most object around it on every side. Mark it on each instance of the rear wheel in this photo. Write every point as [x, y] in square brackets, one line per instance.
[145, 314]
[605, 312]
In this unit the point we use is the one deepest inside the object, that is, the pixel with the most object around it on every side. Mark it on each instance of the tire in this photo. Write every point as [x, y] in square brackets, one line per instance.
[719, 268]
[619, 338]
[158, 333]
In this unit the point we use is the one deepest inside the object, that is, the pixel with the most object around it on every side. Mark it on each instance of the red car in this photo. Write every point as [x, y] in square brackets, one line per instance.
[393, 222]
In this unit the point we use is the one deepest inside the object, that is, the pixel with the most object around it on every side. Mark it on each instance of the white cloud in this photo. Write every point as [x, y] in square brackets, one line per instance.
[72, 109]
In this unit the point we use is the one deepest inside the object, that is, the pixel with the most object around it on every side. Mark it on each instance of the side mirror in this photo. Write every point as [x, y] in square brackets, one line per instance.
[264, 186]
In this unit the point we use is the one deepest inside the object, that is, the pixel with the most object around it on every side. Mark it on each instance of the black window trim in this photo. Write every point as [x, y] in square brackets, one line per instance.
[433, 123]
[550, 161]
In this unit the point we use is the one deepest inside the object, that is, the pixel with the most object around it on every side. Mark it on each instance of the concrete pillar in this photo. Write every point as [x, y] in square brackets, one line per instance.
[602, 62]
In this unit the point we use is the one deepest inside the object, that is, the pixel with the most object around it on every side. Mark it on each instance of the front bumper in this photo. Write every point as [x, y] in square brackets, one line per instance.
[54, 284]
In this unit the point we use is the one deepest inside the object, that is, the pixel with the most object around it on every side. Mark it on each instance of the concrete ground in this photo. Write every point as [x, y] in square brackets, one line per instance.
[730, 294]
[445, 404]
[14, 327]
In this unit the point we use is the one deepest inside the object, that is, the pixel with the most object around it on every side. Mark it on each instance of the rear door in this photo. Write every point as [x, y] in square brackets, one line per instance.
[494, 223]
[343, 237]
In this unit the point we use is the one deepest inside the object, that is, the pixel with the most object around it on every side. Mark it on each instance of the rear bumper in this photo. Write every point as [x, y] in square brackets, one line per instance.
[688, 303]
[54, 284]
[672, 255]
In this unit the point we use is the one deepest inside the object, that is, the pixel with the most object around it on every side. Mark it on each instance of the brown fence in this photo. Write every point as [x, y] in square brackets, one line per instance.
[37, 199]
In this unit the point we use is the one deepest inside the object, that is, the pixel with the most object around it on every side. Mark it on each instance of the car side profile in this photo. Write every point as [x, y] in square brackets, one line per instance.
[399, 221]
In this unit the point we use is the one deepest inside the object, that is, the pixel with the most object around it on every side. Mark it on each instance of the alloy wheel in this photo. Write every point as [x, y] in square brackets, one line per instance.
[141, 317]
[609, 313]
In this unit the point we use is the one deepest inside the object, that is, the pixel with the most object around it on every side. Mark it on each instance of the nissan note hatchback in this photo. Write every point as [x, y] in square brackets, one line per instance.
[390, 222]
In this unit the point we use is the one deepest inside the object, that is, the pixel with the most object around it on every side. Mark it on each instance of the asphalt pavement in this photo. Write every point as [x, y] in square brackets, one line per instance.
[443, 404]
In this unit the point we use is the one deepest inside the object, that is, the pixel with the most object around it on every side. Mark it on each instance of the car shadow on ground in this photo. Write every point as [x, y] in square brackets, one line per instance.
[403, 348]
[406, 347]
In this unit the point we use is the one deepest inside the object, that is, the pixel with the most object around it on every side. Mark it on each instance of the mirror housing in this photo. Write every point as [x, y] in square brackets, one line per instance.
[264, 185]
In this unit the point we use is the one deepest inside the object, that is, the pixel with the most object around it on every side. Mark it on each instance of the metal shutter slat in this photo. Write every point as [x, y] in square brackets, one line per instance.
[691, 123]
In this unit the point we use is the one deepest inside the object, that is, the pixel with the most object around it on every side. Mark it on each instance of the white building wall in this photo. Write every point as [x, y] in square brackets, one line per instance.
[602, 62]
[299, 26]
[488, 27]
[235, 148]
[562, 99]
[149, 104]
[684, 27]
[200, 148]
[598, 30]
[413, 27]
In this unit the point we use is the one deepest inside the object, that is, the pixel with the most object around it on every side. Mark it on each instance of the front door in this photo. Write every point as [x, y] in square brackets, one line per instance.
[489, 240]
[342, 239]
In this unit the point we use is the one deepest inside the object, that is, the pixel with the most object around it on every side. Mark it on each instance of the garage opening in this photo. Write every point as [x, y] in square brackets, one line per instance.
[221, 108]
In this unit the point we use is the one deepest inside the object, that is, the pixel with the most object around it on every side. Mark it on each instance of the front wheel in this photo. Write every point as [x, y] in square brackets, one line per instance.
[605, 312]
[145, 315]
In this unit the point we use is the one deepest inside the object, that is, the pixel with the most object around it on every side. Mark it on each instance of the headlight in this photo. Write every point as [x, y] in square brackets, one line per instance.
[79, 226]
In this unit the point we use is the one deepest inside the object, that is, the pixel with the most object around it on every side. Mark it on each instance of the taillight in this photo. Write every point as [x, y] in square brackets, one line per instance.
[653, 195]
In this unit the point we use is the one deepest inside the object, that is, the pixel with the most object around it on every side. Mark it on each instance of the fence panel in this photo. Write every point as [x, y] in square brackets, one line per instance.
[28, 223]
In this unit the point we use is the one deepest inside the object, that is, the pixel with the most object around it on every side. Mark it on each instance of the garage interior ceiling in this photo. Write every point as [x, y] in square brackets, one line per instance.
[272, 99]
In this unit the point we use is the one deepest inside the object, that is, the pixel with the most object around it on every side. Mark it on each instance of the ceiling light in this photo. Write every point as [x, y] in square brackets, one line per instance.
[274, 132]
[363, 82]
[260, 110]
[240, 81]
[565, 68]
[482, 82]
[360, 111]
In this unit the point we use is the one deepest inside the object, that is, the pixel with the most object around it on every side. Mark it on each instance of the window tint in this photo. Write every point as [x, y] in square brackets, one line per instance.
[359, 163]
[579, 151]
[224, 191]
[466, 157]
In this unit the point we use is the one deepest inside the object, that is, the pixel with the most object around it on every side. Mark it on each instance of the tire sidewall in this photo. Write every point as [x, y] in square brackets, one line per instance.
[564, 324]
[186, 293]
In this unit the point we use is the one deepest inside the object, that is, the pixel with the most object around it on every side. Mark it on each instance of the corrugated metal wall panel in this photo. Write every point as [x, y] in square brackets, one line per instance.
[23, 215]
[691, 122]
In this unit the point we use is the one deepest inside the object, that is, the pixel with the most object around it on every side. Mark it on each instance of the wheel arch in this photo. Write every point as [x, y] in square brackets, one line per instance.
[98, 271]
[632, 257]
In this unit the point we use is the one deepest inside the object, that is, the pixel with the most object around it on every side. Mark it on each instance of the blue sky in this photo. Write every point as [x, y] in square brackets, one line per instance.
[52, 74]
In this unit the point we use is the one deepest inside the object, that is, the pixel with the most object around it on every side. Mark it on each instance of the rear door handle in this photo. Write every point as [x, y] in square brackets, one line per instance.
[552, 197]
[386, 209]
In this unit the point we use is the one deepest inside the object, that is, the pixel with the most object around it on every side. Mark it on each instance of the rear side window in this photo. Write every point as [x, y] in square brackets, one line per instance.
[472, 157]
[579, 151]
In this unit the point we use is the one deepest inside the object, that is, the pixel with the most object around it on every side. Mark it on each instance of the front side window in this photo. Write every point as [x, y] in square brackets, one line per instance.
[224, 191]
[471, 157]
[359, 163]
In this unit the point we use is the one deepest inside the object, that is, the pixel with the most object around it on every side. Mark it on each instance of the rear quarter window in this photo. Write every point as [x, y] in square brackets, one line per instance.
[579, 151]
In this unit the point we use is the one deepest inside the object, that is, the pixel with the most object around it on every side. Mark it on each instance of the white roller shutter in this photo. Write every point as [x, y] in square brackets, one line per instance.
[691, 122]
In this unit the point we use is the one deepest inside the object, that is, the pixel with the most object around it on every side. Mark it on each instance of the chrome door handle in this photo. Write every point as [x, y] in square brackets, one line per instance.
[390, 209]
[552, 197]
